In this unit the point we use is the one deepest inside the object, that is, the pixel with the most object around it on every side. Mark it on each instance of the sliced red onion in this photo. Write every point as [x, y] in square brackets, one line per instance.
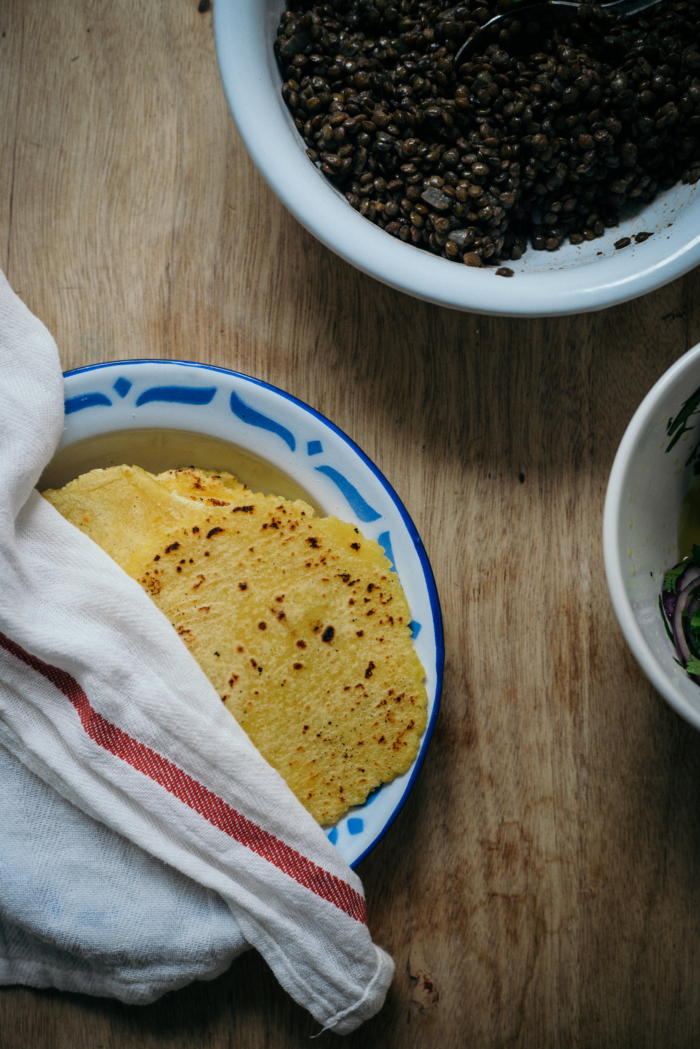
[693, 606]
[691, 609]
[682, 603]
[669, 598]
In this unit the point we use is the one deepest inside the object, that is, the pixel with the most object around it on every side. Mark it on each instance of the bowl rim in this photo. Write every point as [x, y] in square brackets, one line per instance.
[612, 516]
[257, 113]
[434, 600]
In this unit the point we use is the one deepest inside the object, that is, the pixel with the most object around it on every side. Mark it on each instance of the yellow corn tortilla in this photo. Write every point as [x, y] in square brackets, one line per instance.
[298, 621]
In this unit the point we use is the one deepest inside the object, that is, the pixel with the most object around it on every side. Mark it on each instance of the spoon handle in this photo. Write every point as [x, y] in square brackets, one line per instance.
[627, 8]
[471, 44]
[623, 8]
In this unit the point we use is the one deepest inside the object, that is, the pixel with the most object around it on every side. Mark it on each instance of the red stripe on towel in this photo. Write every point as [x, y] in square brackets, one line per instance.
[188, 790]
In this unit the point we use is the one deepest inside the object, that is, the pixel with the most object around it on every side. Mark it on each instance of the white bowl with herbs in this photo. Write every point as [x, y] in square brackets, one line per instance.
[651, 535]
[544, 169]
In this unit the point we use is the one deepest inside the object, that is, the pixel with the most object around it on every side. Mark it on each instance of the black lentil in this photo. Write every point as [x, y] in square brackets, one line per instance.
[553, 133]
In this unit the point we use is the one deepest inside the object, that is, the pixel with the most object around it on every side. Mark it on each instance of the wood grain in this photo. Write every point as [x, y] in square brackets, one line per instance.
[541, 887]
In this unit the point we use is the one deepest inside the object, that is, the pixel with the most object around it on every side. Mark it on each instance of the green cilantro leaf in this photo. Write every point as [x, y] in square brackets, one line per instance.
[693, 666]
[671, 577]
[675, 428]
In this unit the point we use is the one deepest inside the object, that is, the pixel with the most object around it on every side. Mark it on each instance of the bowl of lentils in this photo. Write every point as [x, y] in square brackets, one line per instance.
[555, 171]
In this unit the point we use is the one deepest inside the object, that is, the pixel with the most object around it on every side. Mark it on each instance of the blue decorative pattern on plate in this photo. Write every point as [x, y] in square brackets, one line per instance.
[86, 400]
[359, 506]
[249, 415]
[177, 395]
[266, 422]
[384, 541]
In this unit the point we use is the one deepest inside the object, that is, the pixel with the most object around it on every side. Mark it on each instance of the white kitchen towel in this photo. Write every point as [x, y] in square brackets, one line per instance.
[100, 699]
[83, 909]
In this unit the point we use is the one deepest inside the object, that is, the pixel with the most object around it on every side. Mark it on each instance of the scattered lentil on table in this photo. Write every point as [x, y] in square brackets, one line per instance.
[553, 133]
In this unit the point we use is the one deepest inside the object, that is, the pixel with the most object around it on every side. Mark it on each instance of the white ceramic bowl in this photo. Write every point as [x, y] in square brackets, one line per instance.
[571, 280]
[164, 414]
[645, 492]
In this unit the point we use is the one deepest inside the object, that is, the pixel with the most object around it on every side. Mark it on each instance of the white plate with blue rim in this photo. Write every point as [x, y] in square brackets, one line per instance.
[164, 414]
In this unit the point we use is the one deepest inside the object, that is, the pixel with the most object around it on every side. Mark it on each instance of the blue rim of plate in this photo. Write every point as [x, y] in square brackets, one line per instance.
[98, 398]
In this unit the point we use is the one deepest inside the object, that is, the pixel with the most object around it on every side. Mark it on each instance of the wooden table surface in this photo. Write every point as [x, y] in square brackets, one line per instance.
[545, 872]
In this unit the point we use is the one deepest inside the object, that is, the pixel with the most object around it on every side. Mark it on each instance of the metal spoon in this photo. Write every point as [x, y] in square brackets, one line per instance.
[479, 40]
